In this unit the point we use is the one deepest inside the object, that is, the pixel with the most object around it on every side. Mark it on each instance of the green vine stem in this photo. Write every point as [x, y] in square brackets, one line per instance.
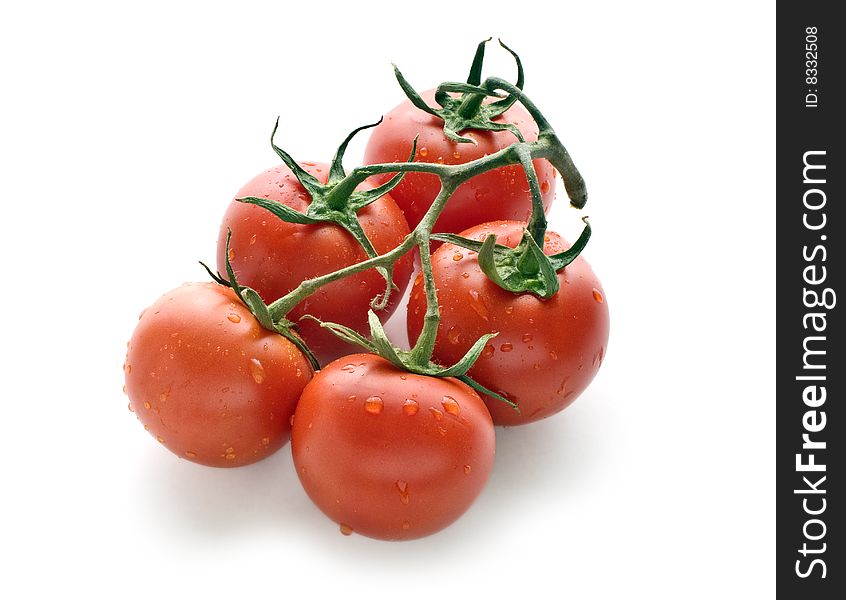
[525, 268]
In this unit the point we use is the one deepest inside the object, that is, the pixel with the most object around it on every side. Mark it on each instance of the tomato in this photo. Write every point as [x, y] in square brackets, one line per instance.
[389, 454]
[208, 382]
[547, 351]
[499, 194]
[273, 257]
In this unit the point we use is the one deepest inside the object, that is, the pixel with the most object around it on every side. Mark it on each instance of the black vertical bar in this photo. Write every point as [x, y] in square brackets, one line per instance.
[811, 364]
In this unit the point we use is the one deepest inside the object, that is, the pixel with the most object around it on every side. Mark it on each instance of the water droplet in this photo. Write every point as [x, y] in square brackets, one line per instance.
[506, 347]
[553, 355]
[164, 396]
[291, 420]
[597, 295]
[346, 529]
[127, 368]
[349, 368]
[465, 275]
[256, 370]
[190, 454]
[253, 239]
[147, 405]
[544, 186]
[160, 439]
[453, 335]
[467, 469]
[231, 254]
[436, 413]
[563, 385]
[406, 524]
[509, 310]
[233, 317]
[536, 366]
[374, 405]
[265, 441]
[424, 151]
[230, 456]
[351, 398]
[402, 487]
[527, 337]
[124, 390]
[129, 406]
[403, 377]
[450, 405]
[488, 351]
[478, 304]
[456, 155]
[457, 256]
[362, 285]
[410, 407]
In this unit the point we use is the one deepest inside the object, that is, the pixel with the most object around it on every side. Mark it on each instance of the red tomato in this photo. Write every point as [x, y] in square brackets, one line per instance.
[499, 194]
[273, 257]
[547, 351]
[389, 454]
[208, 382]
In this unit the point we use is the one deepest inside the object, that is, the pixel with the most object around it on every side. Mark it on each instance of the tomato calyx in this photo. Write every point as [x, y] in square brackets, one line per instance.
[261, 311]
[468, 111]
[337, 201]
[409, 360]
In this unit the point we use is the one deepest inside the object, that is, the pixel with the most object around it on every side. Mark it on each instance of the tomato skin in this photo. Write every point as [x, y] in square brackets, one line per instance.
[547, 351]
[496, 195]
[273, 257]
[381, 468]
[208, 381]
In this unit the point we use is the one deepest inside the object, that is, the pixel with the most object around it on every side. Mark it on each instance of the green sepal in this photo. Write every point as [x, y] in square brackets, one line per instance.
[483, 390]
[402, 359]
[252, 300]
[462, 366]
[562, 259]
[468, 111]
[336, 201]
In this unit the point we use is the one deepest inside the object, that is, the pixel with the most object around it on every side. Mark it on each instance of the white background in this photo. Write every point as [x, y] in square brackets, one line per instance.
[125, 132]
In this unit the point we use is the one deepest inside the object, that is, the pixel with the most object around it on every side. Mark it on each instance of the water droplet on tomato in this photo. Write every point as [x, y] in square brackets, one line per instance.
[467, 469]
[124, 390]
[346, 529]
[544, 186]
[349, 368]
[456, 155]
[563, 385]
[406, 525]
[509, 310]
[457, 256]
[351, 398]
[160, 439]
[256, 370]
[127, 368]
[190, 454]
[424, 151]
[506, 347]
[362, 285]
[488, 351]
[253, 239]
[231, 254]
[402, 486]
[403, 377]
[291, 420]
[527, 337]
[465, 275]
[453, 335]
[129, 406]
[450, 405]
[230, 456]
[147, 405]
[410, 407]
[233, 317]
[477, 303]
[436, 413]
[536, 366]
[553, 355]
[374, 405]
[597, 295]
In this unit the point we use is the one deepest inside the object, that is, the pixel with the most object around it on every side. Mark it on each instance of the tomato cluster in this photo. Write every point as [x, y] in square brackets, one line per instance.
[508, 321]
